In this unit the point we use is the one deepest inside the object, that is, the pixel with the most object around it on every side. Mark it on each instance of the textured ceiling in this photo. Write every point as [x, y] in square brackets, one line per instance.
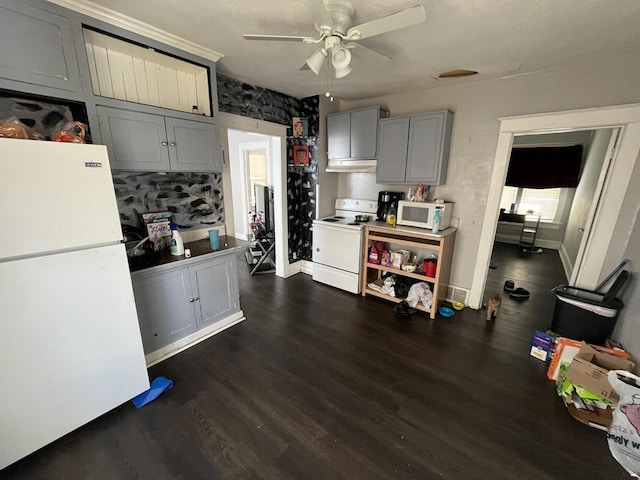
[498, 38]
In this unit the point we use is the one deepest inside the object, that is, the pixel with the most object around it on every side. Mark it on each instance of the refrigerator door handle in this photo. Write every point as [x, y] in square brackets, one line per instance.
[164, 144]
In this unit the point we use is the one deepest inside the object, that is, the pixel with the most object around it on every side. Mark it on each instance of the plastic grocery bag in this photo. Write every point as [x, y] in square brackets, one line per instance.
[624, 433]
[420, 292]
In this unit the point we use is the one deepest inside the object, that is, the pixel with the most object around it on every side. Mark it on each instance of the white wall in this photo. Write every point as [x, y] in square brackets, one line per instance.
[477, 108]
[327, 182]
[584, 197]
[627, 331]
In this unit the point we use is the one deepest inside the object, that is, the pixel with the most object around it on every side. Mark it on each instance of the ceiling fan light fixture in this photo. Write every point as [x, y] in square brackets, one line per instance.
[342, 72]
[340, 57]
[316, 60]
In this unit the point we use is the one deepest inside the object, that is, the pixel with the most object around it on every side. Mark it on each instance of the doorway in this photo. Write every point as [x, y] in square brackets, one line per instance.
[255, 151]
[615, 209]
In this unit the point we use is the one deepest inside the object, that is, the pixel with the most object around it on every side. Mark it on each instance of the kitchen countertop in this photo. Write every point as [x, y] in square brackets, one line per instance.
[199, 248]
[413, 230]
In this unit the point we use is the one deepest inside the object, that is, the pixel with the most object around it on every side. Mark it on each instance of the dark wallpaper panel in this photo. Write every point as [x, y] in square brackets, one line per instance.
[195, 199]
[253, 101]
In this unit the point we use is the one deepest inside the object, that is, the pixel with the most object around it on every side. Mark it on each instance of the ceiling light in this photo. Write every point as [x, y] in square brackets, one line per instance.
[343, 72]
[316, 60]
[340, 59]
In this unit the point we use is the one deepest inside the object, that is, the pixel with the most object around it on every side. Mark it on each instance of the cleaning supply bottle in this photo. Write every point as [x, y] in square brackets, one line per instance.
[436, 220]
[177, 245]
[391, 216]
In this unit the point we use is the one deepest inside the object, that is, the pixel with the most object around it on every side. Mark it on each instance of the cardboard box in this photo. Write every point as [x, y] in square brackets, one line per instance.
[599, 418]
[565, 349]
[589, 370]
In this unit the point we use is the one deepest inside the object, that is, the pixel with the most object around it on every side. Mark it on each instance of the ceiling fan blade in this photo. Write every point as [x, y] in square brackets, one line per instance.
[286, 38]
[372, 51]
[395, 21]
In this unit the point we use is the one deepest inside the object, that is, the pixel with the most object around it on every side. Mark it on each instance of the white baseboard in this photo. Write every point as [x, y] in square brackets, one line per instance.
[567, 264]
[301, 266]
[193, 339]
[515, 239]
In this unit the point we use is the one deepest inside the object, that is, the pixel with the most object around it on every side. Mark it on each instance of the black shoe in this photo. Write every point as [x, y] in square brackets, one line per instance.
[519, 293]
[509, 286]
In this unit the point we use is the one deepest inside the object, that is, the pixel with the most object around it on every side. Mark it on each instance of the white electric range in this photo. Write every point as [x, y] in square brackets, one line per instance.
[337, 244]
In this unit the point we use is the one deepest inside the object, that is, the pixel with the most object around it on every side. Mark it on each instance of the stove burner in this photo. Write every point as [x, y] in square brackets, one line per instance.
[338, 217]
[330, 220]
[353, 223]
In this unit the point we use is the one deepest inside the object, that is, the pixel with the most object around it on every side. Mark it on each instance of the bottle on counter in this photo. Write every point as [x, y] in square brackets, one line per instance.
[437, 216]
[391, 216]
[177, 245]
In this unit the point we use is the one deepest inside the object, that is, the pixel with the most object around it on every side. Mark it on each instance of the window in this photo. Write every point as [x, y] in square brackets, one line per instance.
[544, 201]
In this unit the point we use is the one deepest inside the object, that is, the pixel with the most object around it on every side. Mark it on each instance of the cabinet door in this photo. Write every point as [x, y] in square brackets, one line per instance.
[37, 47]
[193, 146]
[364, 132]
[339, 135]
[215, 284]
[135, 141]
[428, 152]
[165, 308]
[393, 135]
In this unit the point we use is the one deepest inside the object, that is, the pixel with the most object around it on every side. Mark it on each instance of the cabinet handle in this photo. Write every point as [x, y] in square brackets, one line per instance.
[173, 144]
[193, 299]
[164, 144]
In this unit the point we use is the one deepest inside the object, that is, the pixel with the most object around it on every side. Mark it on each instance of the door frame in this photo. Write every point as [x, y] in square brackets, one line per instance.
[625, 117]
[245, 148]
[278, 176]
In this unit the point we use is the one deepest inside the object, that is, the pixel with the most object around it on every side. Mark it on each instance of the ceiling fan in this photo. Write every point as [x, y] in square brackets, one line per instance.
[338, 36]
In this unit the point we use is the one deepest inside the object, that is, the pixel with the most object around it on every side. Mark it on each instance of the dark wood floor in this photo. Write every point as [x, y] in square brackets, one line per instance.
[321, 384]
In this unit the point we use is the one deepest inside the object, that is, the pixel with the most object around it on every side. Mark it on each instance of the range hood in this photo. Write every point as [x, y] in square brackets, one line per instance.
[351, 166]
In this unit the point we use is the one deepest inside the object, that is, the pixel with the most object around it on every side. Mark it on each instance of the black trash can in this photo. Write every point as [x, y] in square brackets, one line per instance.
[585, 315]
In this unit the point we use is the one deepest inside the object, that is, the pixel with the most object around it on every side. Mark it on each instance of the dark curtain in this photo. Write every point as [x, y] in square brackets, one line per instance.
[545, 167]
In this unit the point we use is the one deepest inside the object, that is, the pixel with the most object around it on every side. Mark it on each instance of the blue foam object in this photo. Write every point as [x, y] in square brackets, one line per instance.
[445, 311]
[158, 387]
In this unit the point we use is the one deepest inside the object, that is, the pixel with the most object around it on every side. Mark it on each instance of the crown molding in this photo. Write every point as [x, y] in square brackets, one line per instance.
[112, 17]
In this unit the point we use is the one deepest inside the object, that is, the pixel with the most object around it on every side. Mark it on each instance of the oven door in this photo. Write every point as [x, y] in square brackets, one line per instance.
[337, 247]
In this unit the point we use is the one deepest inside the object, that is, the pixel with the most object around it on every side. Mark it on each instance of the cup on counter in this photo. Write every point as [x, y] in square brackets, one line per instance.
[214, 239]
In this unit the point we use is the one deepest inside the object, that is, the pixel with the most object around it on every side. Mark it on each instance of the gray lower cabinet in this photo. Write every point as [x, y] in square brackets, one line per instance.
[147, 142]
[414, 149]
[165, 308]
[216, 287]
[178, 302]
[37, 48]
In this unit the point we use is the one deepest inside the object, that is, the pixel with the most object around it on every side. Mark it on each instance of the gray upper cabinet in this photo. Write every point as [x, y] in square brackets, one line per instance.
[339, 135]
[353, 135]
[146, 142]
[135, 141]
[36, 47]
[414, 149]
[193, 146]
[393, 138]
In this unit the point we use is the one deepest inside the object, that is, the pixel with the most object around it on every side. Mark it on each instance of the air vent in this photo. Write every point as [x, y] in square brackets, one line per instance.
[457, 294]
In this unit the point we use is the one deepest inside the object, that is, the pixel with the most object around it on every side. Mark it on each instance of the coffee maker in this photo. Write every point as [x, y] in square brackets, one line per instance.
[385, 200]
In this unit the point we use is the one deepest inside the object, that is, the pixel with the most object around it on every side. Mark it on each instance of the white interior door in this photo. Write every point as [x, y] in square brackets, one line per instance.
[584, 272]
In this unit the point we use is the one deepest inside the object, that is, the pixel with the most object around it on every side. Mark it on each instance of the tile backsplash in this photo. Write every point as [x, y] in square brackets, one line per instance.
[195, 199]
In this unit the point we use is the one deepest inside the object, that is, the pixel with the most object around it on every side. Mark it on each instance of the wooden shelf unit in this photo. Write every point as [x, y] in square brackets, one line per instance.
[413, 239]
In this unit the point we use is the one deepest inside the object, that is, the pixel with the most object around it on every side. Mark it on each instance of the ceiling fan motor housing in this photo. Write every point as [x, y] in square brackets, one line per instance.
[341, 12]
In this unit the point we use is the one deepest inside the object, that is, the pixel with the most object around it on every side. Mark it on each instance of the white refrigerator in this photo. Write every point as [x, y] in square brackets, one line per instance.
[70, 346]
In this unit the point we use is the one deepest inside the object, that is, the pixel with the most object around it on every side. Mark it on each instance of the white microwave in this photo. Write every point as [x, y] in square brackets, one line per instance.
[420, 214]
